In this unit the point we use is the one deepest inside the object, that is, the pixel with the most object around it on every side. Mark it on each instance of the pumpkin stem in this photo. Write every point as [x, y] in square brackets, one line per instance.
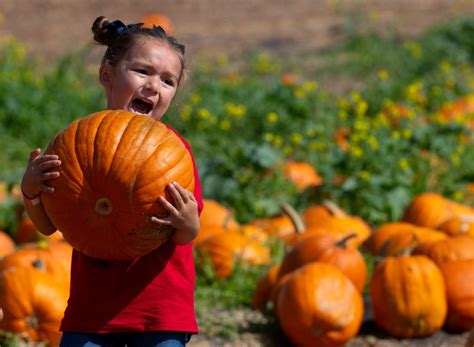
[294, 217]
[342, 243]
[103, 206]
[335, 210]
[408, 250]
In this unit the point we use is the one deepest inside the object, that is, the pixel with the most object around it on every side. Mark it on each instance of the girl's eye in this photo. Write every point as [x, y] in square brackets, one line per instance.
[169, 81]
[141, 71]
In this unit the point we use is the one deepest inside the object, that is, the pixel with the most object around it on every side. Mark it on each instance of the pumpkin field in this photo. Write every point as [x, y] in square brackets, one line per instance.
[332, 216]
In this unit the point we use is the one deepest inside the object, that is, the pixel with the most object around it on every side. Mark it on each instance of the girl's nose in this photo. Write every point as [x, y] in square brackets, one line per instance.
[152, 85]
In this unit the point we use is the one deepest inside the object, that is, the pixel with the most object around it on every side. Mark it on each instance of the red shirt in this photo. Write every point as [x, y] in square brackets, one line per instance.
[153, 293]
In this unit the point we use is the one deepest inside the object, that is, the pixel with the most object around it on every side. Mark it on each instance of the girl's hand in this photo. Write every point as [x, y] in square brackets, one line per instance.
[39, 170]
[182, 215]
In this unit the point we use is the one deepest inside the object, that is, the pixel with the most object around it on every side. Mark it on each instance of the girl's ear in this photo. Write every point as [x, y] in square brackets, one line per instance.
[105, 75]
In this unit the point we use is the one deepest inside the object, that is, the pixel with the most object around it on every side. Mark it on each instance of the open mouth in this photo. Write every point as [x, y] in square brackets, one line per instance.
[141, 106]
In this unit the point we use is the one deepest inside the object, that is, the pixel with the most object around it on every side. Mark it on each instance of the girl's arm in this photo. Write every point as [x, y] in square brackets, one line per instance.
[39, 170]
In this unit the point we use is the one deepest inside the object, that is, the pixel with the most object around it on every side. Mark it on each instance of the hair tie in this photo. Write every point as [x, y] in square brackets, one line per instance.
[116, 27]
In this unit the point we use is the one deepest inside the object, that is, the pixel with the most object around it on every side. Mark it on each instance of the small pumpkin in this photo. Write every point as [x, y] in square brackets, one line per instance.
[317, 305]
[393, 238]
[408, 296]
[459, 279]
[326, 249]
[265, 286]
[157, 19]
[302, 174]
[7, 245]
[442, 251]
[115, 166]
[226, 248]
[215, 214]
[459, 225]
[430, 210]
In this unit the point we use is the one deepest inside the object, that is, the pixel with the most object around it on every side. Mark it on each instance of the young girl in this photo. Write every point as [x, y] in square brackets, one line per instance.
[149, 301]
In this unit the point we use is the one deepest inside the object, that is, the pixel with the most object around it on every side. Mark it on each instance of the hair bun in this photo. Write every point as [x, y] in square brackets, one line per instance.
[100, 30]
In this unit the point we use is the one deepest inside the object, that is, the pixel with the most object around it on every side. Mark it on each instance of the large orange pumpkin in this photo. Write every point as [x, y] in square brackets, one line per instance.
[408, 296]
[115, 166]
[317, 305]
[156, 19]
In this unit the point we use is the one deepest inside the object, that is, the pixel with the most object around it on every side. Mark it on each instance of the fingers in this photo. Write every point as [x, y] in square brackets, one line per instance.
[35, 153]
[178, 194]
[168, 206]
[46, 189]
[44, 164]
[161, 221]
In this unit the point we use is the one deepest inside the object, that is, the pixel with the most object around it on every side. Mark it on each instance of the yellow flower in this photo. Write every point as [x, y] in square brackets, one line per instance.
[459, 196]
[373, 142]
[455, 159]
[299, 92]
[269, 137]
[272, 117]
[414, 49]
[277, 141]
[296, 138]
[382, 75]
[222, 60]
[356, 96]
[224, 124]
[406, 133]
[356, 152]
[403, 163]
[236, 111]
[195, 99]
[364, 175]
[186, 112]
[288, 150]
[361, 125]
[310, 132]
[213, 119]
[343, 103]
[395, 134]
[445, 66]
[361, 108]
[310, 86]
[204, 113]
[342, 115]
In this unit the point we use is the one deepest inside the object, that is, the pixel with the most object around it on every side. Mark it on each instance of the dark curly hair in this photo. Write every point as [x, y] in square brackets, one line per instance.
[119, 37]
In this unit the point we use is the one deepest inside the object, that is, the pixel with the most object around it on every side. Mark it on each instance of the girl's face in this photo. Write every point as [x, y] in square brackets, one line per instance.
[145, 80]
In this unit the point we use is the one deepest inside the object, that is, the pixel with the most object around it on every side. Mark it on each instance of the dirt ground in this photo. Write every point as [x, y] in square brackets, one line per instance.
[52, 28]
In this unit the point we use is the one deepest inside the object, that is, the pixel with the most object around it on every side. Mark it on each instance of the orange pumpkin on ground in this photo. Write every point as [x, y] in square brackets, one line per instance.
[115, 166]
[408, 296]
[326, 249]
[7, 245]
[459, 225]
[459, 280]
[302, 174]
[226, 248]
[156, 19]
[33, 302]
[317, 305]
[215, 214]
[40, 257]
[431, 210]
[265, 286]
[393, 238]
[442, 251]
